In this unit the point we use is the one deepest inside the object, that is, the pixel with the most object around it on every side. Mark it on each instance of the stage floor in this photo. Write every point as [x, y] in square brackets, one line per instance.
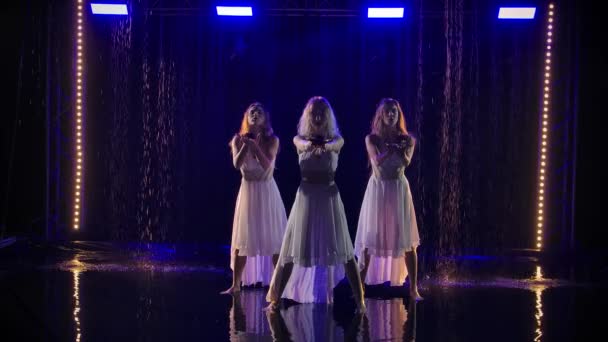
[92, 291]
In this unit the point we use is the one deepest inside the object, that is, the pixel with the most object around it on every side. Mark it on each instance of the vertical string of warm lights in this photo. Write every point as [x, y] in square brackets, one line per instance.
[79, 117]
[544, 129]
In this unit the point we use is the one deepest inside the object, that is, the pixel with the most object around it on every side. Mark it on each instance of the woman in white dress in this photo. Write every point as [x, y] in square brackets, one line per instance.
[259, 216]
[387, 233]
[317, 246]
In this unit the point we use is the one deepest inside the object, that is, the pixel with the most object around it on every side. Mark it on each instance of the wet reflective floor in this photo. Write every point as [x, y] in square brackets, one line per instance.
[84, 291]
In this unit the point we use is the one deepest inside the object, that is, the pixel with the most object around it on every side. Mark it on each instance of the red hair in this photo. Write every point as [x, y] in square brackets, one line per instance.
[245, 128]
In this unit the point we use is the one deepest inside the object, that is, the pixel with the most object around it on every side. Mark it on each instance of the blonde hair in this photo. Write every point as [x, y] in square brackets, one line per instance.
[305, 126]
[378, 126]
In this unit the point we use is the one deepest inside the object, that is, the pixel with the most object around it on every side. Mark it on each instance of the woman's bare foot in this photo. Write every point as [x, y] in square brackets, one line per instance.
[415, 295]
[273, 306]
[231, 290]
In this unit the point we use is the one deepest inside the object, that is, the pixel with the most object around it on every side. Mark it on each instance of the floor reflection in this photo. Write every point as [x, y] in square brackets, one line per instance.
[78, 294]
[538, 292]
[77, 269]
[385, 320]
[246, 317]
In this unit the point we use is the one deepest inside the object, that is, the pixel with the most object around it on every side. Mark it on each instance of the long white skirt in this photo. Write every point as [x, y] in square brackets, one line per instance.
[317, 242]
[387, 229]
[257, 229]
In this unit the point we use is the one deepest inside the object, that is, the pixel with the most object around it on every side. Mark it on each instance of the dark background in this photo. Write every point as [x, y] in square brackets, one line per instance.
[165, 93]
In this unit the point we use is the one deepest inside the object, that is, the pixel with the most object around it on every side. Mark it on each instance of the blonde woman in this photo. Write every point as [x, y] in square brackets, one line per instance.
[317, 244]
